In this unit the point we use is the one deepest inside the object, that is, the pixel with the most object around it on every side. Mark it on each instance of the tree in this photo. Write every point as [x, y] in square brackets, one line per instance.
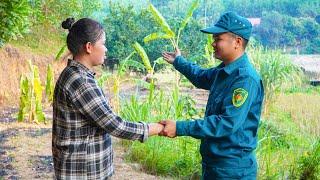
[14, 19]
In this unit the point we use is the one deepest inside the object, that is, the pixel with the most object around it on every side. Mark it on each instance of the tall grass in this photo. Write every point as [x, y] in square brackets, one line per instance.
[277, 71]
[283, 138]
[174, 157]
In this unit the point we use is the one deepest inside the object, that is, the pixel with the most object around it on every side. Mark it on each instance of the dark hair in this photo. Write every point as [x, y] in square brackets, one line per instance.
[245, 42]
[81, 32]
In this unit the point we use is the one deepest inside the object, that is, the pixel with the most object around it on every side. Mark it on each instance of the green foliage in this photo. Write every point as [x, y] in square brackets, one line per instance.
[31, 96]
[24, 98]
[14, 19]
[299, 32]
[102, 79]
[61, 51]
[161, 21]
[184, 154]
[186, 20]
[167, 32]
[276, 70]
[124, 27]
[145, 59]
[307, 166]
[53, 13]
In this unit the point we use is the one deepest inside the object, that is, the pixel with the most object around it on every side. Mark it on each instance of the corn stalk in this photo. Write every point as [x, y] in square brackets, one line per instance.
[124, 64]
[50, 83]
[209, 52]
[31, 96]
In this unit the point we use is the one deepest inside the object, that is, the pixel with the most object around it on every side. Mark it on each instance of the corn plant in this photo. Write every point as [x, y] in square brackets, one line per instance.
[209, 52]
[50, 83]
[31, 96]
[183, 152]
[103, 79]
[117, 78]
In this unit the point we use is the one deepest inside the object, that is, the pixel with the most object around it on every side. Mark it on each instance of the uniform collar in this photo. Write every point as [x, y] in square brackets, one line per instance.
[240, 62]
[75, 63]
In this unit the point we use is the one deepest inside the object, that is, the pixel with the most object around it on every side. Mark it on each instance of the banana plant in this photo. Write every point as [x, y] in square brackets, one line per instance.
[146, 61]
[167, 32]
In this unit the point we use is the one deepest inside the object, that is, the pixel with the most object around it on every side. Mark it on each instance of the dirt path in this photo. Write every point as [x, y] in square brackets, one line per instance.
[25, 151]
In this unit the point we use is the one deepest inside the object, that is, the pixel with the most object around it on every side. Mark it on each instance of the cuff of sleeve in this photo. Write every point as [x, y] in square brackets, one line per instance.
[183, 128]
[176, 61]
[145, 134]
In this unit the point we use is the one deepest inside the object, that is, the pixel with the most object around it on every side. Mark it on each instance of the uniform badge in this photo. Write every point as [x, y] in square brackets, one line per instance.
[239, 97]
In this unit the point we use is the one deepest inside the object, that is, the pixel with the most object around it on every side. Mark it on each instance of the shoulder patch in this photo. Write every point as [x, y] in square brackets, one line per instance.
[239, 97]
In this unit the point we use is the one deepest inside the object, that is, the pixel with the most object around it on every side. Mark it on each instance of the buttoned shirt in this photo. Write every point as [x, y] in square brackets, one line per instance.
[82, 124]
[228, 130]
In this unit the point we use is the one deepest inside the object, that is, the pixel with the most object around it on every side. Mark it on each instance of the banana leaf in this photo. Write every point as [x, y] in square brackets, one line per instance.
[188, 17]
[155, 36]
[160, 20]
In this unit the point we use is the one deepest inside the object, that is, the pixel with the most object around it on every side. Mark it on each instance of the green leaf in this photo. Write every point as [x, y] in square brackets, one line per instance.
[189, 14]
[160, 61]
[160, 20]
[145, 59]
[50, 83]
[155, 36]
[61, 51]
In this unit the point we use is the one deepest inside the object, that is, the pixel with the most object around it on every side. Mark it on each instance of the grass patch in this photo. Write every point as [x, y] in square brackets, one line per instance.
[41, 40]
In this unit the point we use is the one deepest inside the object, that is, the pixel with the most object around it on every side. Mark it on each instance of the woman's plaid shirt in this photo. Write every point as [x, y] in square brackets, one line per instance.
[82, 124]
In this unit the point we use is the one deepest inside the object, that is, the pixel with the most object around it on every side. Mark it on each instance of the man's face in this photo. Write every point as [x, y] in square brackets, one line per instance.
[224, 46]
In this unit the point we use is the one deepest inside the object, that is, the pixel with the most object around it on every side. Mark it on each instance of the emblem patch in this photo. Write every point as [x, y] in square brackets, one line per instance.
[239, 97]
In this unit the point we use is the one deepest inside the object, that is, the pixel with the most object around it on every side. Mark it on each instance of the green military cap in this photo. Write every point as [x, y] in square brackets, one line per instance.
[231, 22]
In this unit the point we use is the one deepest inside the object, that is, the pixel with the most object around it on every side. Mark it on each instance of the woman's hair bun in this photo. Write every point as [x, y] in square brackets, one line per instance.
[67, 24]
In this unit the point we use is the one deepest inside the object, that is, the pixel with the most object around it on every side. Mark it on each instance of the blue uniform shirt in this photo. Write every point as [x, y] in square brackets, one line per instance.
[229, 128]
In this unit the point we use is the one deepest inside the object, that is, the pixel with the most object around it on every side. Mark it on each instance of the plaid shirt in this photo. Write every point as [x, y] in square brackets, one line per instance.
[82, 124]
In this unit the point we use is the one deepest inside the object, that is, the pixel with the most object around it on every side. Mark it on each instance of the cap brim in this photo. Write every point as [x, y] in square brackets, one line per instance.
[214, 30]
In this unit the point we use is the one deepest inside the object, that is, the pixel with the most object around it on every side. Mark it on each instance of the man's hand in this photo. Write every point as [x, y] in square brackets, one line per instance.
[170, 56]
[155, 128]
[169, 128]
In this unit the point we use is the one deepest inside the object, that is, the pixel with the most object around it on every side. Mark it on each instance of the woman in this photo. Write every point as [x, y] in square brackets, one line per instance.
[82, 118]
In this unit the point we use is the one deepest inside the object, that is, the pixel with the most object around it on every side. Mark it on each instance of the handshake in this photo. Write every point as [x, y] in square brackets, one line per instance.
[163, 128]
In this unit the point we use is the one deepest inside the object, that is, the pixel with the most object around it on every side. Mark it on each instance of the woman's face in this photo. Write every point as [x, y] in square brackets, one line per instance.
[99, 51]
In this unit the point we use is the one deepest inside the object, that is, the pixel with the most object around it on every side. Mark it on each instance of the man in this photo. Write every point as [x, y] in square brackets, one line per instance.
[228, 132]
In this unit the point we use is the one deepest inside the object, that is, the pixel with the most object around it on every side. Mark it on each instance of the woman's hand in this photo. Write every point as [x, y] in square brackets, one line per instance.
[155, 128]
